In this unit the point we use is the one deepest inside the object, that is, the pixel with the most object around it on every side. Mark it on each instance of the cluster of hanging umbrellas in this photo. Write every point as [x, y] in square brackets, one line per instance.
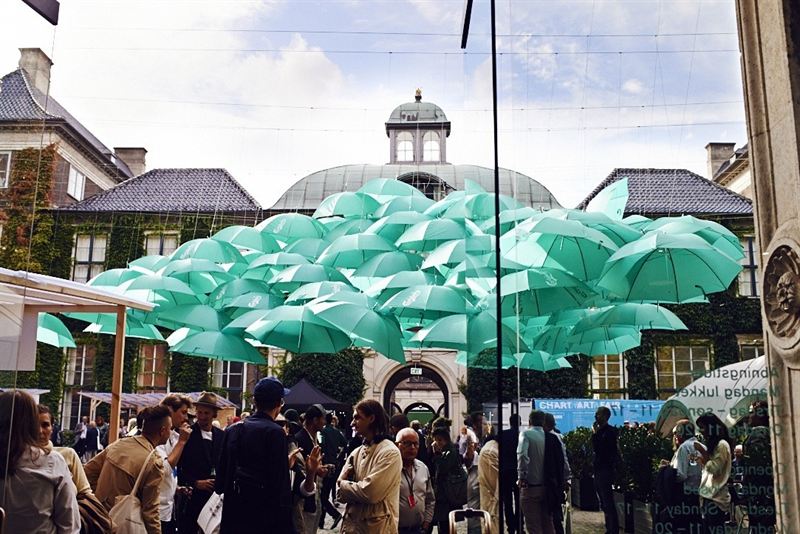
[387, 268]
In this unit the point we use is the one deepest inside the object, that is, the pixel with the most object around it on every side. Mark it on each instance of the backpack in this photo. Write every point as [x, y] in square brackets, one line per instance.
[126, 515]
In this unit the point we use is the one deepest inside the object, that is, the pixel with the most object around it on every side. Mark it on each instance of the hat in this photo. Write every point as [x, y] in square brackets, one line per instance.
[207, 399]
[269, 389]
[315, 410]
[292, 415]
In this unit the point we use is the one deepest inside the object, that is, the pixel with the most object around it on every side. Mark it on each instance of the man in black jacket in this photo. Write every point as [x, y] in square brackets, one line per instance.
[253, 472]
[313, 423]
[197, 467]
[606, 457]
[509, 491]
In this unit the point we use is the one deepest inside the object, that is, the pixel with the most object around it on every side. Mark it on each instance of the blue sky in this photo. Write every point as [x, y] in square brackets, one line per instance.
[276, 90]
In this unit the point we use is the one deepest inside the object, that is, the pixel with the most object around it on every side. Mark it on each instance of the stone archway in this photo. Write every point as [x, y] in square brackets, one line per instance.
[403, 373]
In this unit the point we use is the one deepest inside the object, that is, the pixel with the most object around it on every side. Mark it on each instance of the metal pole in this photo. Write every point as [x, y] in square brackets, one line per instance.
[116, 382]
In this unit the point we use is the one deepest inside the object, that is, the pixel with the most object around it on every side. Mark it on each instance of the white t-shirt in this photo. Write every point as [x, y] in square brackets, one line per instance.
[169, 484]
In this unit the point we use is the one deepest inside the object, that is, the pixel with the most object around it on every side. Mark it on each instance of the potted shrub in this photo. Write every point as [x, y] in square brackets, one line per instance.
[580, 455]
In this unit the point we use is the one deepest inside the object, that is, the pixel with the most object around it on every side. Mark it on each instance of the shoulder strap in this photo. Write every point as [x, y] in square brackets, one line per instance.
[135, 489]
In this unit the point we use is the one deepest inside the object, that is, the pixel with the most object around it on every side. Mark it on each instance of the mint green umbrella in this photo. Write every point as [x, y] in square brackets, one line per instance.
[712, 232]
[237, 306]
[428, 302]
[366, 327]
[351, 251]
[617, 231]
[554, 340]
[308, 247]
[161, 290]
[537, 360]
[51, 331]
[194, 316]
[508, 219]
[248, 237]
[637, 222]
[428, 235]
[387, 264]
[296, 329]
[415, 203]
[224, 294]
[393, 284]
[348, 205]
[135, 328]
[245, 320]
[114, 277]
[392, 226]
[487, 360]
[295, 276]
[289, 227]
[208, 249]
[315, 290]
[477, 207]
[605, 340]
[542, 291]
[640, 316]
[385, 189]
[268, 265]
[152, 262]
[470, 333]
[203, 276]
[348, 227]
[219, 346]
[454, 252]
[351, 297]
[662, 267]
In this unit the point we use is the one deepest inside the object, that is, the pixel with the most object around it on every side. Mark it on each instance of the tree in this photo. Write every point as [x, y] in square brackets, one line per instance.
[339, 375]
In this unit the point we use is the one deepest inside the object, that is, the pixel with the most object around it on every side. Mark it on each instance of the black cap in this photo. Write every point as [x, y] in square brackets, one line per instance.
[269, 389]
[315, 410]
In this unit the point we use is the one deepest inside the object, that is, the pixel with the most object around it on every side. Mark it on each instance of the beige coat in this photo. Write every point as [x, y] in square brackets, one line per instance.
[113, 472]
[488, 479]
[373, 493]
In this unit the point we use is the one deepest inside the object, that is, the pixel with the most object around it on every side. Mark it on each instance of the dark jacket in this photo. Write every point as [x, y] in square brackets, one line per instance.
[92, 439]
[444, 464]
[332, 442]
[553, 471]
[253, 473]
[508, 450]
[197, 461]
[604, 443]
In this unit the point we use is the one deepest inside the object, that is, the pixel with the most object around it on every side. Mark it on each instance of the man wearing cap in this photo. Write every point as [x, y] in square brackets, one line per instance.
[198, 463]
[306, 439]
[253, 472]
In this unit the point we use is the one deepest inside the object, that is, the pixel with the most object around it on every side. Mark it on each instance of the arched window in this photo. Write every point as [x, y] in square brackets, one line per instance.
[405, 146]
[430, 146]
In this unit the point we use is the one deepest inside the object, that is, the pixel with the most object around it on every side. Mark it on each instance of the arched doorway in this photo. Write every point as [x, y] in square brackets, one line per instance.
[428, 376]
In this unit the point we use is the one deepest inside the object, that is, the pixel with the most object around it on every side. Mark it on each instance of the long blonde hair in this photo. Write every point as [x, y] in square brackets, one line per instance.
[19, 428]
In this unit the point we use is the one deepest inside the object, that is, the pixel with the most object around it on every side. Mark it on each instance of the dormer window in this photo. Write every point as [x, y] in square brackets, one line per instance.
[430, 147]
[405, 147]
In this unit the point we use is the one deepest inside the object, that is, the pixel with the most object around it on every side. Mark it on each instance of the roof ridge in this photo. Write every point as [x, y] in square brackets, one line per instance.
[27, 83]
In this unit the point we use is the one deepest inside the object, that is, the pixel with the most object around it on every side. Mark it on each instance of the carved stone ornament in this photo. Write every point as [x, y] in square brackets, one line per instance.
[782, 294]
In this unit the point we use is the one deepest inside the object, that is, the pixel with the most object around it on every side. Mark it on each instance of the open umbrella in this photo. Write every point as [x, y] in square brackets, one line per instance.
[454, 252]
[662, 267]
[554, 340]
[470, 333]
[641, 316]
[388, 263]
[106, 323]
[295, 276]
[152, 262]
[428, 235]
[428, 302]
[508, 219]
[161, 290]
[248, 237]
[617, 231]
[348, 227]
[194, 316]
[537, 360]
[114, 277]
[219, 346]
[347, 204]
[223, 295]
[366, 327]
[392, 226]
[386, 189]
[315, 290]
[351, 251]
[203, 276]
[413, 203]
[542, 291]
[51, 331]
[289, 227]
[605, 340]
[393, 284]
[475, 207]
[712, 232]
[208, 249]
[294, 328]
[268, 265]
[251, 301]
[309, 247]
[638, 222]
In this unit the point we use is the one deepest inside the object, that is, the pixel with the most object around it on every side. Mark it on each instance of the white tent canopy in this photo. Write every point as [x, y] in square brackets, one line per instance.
[727, 392]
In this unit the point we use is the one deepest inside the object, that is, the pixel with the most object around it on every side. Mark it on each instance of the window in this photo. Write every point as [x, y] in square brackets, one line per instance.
[163, 244]
[430, 147]
[89, 256]
[153, 371]
[608, 376]
[405, 147]
[677, 367]
[80, 366]
[231, 376]
[76, 183]
[748, 352]
[748, 278]
[5, 168]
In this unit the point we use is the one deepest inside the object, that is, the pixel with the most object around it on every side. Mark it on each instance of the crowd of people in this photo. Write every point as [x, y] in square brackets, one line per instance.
[280, 471]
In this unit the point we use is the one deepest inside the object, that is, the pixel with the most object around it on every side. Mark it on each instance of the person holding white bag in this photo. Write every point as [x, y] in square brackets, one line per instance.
[115, 471]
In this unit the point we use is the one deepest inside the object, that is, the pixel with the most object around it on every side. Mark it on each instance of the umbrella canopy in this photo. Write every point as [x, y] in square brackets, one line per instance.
[508, 219]
[203, 276]
[309, 247]
[351, 251]
[289, 227]
[387, 264]
[393, 284]
[194, 316]
[554, 340]
[161, 290]
[476, 207]
[542, 291]
[385, 189]
[428, 302]
[639, 222]
[114, 277]
[297, 275]
[413, 203]
[456, 251]
[348, 227]
[617, 231]
[219, 346]
[347, 204]
[315, 290]
[641, 316]
[106, 323]
[294, 328]
[605, 340]
[392, 226]
[225, 293]
[152, 262]
[365, 327]
[428, 235]
[470, 333]
[662, 267]
[538, 360]
[252, 301]
[712, 232]
[248, 237]
[51, 331]
[208, 249]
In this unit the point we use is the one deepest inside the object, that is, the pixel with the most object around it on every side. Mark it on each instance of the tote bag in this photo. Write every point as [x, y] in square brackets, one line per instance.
[210, 518]
[126, 515]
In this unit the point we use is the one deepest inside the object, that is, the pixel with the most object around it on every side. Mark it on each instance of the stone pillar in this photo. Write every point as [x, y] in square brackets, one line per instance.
[769, 33]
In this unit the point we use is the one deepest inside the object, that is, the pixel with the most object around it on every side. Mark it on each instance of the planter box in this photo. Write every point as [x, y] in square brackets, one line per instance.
[634, 516]
[583, 494]
[642, 517]
[623, 503]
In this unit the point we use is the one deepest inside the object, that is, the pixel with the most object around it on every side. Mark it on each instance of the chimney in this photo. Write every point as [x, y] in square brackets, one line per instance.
[718, 153]
[36, 65]
[133, 158]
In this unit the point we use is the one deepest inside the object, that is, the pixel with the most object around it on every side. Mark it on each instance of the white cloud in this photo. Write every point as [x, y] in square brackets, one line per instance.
[633, 86]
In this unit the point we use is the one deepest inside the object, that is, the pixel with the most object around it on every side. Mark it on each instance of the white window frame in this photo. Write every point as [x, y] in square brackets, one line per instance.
[694, 371]
[749, 277]
[76, 364]
[152, 373]
[161, 235]
[222, 377]
[401, 140]
[5, 174]
[91, 261]
[431, 146]
[76, 183]
[599, 382]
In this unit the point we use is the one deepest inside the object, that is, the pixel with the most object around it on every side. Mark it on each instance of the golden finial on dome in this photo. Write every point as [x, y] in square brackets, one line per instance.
[418, 95]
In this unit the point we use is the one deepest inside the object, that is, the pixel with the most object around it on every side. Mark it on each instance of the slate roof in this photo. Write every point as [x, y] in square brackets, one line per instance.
[308, 192]
[173, 190]
[20, 101]
[674, 192]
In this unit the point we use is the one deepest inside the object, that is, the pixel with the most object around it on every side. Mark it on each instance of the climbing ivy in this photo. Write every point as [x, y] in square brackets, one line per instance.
[188, 373]
[339, 375]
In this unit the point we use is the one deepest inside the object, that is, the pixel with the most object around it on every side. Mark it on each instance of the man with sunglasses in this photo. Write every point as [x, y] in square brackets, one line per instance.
[416, 491]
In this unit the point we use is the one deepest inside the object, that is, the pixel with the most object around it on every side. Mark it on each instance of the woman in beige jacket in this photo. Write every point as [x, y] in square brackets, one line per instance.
[370, 481]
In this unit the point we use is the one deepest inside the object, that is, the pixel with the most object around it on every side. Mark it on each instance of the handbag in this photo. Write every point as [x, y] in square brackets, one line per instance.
[210, 517]
[126, 514]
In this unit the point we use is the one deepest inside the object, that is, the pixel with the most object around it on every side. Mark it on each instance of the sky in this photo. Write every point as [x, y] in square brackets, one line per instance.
[273, 90]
